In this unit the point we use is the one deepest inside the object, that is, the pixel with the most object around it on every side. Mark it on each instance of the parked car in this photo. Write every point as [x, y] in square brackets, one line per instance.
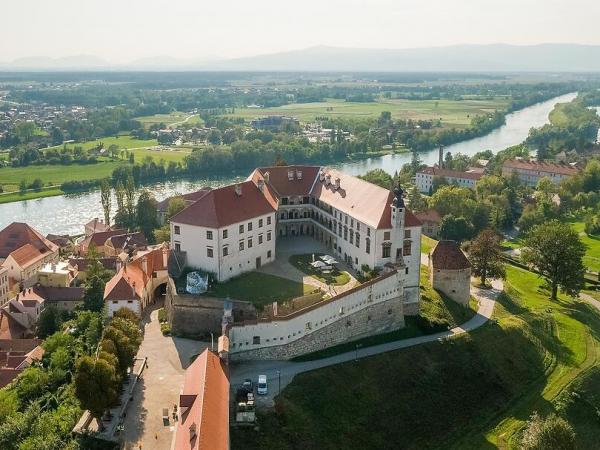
[262, 385]
[248, 385]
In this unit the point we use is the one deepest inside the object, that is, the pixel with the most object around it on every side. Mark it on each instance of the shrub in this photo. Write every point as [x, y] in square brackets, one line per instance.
[592, 224]
[553, 432]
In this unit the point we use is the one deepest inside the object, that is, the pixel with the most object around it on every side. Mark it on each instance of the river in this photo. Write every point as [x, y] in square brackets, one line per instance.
[67, 213]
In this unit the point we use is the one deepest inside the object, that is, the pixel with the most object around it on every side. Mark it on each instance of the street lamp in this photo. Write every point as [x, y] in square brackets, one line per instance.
[278, 382]
[356, 351]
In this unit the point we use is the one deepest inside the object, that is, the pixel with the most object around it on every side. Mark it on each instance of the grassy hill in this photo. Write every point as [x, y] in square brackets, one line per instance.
[473, 392]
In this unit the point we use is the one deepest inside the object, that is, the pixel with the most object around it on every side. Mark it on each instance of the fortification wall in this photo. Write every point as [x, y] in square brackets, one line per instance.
[374, 319]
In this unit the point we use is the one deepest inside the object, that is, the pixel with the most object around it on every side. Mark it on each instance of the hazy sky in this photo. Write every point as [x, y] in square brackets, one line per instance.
[123, 30]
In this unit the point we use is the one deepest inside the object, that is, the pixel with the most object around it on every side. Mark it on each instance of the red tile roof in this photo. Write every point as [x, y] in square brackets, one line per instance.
[11, 329]
[17, 235]
[188, 198]
[430, 215]
[540, 166]
[302, 179]
[97, 225]
[223, 206]
[204, 403]
[59, 294]
[28, 255]
[127, 240]
[436, 171]
[447, 255]
[99, 238]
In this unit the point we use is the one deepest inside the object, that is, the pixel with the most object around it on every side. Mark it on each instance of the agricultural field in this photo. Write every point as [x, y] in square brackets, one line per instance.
[476, 390]
[172, 119]
[452, 113]
[122, 141]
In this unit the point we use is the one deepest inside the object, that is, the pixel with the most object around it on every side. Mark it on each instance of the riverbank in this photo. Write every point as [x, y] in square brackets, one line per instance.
[67, 213]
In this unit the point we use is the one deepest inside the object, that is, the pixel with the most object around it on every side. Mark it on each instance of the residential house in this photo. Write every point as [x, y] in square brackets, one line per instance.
[97, 240]
[424, 178]
[530, 172]
[204, 406]
[138, 281]
[57, 274]
[62, 298]
[81, 265]
[16, 354]
[95, 226]
[127, 242]
[23, 251]
[432, 222]
[162, 208]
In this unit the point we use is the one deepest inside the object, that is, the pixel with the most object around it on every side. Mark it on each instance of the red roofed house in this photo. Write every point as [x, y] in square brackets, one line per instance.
[530, 172]
[432, 222]
[233, 229]
[97, 240]
[204, 406]
[16, 355]
[95, 226]
[450, 271]
[162, 208]
[424, 178]
[135, 284]
[23, 251]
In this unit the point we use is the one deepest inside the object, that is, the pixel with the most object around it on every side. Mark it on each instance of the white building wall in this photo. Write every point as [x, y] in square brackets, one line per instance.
[278, 332]
[4, 289]
[27, 276]
[114, 305]
[193, 240]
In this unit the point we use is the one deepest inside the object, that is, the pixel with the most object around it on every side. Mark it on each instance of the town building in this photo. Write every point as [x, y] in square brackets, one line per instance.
[15, 354]
[62, 298]
[204, 405]
[95, 225]
[432, 222]
[4, 285]
[232, 230]
[274, 122]
[81, 264]
[450, 271]
[97, 240]
[57, 274]
[162, 208]
[23, 251]
[530, 172]
[424, 178]
[25, 309]
[128, 242]
[138, 280]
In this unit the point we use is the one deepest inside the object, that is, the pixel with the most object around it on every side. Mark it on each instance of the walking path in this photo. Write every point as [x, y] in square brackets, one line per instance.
[280, 373]
[589, 299]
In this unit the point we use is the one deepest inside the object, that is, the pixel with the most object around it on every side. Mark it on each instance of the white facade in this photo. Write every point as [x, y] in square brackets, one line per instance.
[424, 181]
[531, 176]
[114, 305]
[283, 331]
[27, 275]
[227, 251]
[4, 287]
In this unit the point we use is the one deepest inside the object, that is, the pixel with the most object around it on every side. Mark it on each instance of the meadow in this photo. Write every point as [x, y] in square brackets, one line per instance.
[174, 118]
[476, 390]
[451, 112]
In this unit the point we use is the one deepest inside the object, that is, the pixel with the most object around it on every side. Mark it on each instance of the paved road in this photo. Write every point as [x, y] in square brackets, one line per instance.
[280, 373]
[158, 388]
[589, 299]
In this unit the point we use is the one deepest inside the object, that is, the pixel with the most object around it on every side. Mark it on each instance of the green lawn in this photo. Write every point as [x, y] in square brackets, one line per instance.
[122, 141]
[174, 118]
[427, 244]
[302, 262]
[452, 113]
[7, 197]
[472, 392]
[260, 289]
[592, 254]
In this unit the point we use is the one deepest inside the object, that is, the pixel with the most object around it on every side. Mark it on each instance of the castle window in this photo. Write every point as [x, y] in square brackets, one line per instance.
[406, 234]
[209, 235]
[225, 234]
[386, 235]
[386, 251]
[249, 226]
[260, 223]
[241, 230]
[177, 229]
[209, 252]
[177, 247]
[368, 245]
[250, 243]
[269, 254]
[256, 340]
[407, 248]
[260, 239]
[357, 241]
[269, 220]
[241, 245]
[225, 250]
[268, 235]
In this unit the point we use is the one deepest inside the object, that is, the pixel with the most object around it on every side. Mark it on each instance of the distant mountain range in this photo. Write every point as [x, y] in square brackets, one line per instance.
[459, 58]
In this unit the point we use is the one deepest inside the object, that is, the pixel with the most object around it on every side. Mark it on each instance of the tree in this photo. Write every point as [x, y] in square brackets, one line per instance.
[127, 314]
[146, 214]
[553, 432]
[105, 198]
[176, 204]
[556, 251]
[485, 256]
[95, 385]
[379, 177]
[416, 202]
[48, 322]
[93, 297]
[130, 202]
[455, 228]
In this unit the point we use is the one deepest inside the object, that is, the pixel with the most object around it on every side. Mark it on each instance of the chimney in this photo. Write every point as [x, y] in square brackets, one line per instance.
[238, 190]
[327, 179]
[165, 255]
[261, 185]
[267, 177]
[441, 157]
[322, 175]
[337, 183]
[133, 290]
[145, 264]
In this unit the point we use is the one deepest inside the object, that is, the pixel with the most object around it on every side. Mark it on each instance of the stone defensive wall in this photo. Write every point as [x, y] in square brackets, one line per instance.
[371, 308]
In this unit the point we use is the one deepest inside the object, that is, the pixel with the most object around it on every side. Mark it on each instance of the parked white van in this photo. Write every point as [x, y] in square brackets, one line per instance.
[262, 385]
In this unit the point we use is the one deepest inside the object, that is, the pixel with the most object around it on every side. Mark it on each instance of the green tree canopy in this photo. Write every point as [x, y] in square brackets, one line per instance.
[551, 433]
[486, 257]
